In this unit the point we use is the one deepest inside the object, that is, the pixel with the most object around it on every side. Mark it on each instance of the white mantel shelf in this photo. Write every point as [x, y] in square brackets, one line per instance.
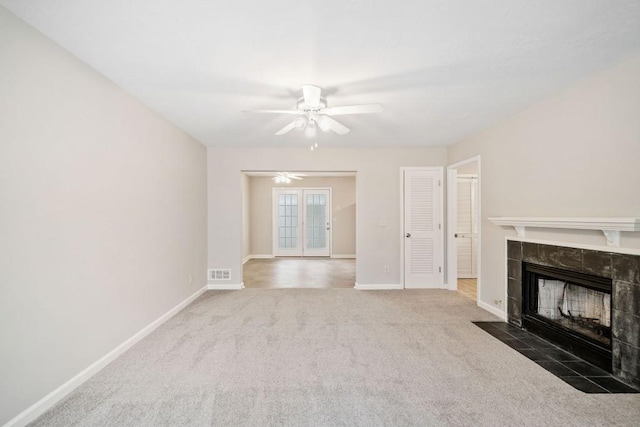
[611, 227]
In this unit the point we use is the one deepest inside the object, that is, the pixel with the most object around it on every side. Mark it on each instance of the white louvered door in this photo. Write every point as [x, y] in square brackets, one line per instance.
[467, 231]
[423, 235]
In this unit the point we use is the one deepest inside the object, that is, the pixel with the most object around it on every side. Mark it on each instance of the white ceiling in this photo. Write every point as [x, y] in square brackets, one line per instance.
[444, 69]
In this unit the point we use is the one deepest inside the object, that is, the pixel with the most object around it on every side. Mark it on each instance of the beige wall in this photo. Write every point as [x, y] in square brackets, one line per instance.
[343, 231]
[573, 155]
[470, 169]
[102, 216]
[378, 198]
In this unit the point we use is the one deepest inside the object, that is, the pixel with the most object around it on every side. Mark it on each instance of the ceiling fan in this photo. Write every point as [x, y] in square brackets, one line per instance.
[286, 177]
[313, 109]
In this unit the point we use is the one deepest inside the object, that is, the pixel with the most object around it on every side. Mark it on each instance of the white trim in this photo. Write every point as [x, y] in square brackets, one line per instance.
[441, 286]
[257, 256]
[378, 287]
[493, 310]
[225, 286]
[610, 226]
[609, 223]
[505, 298]
[628, 251]
[345, 256]
[41, 406]
[452, 210]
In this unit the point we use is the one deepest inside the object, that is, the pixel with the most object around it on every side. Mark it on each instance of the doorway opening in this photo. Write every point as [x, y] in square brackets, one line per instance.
[463, 231]
[299, 234]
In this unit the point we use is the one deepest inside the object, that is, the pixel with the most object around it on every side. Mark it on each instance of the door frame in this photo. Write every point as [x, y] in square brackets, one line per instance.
[452, 222]
[441, 247]
[274, 228]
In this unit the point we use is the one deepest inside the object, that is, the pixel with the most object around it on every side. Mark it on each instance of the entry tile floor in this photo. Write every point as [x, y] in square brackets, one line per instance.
[574, 371]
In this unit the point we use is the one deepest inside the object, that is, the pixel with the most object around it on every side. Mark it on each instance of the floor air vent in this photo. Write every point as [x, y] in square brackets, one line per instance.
[219, 274]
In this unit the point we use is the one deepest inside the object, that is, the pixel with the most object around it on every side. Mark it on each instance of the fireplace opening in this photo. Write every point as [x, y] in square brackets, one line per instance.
[571, 309]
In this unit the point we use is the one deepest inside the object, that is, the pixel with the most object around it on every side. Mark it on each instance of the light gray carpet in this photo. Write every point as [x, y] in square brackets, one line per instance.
[331, 357]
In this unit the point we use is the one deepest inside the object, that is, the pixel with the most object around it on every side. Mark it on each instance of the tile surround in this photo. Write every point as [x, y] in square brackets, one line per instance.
[623, 269]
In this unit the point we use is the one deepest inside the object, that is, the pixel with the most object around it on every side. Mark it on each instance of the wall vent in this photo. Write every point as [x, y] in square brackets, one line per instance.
[219, 274]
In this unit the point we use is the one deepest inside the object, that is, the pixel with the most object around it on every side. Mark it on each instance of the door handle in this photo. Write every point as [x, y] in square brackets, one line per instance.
[408, 235]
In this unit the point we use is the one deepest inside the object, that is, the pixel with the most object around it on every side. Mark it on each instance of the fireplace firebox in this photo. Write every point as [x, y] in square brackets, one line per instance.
[569, 308]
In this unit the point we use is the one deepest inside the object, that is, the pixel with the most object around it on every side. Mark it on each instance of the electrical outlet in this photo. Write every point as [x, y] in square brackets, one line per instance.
[386, 268]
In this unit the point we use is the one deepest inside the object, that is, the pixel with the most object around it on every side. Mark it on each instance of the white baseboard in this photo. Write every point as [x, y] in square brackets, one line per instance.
[41, 406]
[378, 286]
[225, 286]
[493, 310]
[257, 256]
[345, 256]
[428, 287]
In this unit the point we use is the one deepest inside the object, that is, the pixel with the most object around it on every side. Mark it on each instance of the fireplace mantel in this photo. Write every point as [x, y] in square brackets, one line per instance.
[611, 227]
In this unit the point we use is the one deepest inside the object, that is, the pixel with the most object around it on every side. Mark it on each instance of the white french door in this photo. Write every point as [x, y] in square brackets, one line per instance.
[301, 222]
[287, 227]
[423, 234]
[317, 222]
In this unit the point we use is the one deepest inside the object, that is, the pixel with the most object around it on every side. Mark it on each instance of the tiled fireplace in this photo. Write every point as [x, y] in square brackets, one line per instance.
[608, 281]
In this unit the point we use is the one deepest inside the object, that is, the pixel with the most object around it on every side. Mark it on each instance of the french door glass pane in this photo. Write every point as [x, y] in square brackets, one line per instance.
[287, 221]
[316, 221]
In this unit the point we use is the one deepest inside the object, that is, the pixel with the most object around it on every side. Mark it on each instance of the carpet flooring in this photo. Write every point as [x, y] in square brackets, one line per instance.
[331, 357]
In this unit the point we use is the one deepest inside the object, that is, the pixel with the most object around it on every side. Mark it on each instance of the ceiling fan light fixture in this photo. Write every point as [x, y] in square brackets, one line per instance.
[310, 131]
[280, 179]
[312, 107]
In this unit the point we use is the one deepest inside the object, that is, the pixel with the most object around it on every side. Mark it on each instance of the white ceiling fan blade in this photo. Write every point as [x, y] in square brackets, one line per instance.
[294, 112]
[353, 109]
[329, 123]
[287, 128]
[311, 95]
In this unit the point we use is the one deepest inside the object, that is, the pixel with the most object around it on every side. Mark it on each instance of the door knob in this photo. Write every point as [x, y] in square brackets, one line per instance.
[408, 235]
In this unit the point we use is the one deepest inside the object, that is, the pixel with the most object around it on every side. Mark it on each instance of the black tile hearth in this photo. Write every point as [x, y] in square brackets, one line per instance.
[575, 372]
[584, 384]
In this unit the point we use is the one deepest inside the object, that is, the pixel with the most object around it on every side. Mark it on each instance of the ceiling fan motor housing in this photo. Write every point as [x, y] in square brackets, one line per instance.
[300, 105]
